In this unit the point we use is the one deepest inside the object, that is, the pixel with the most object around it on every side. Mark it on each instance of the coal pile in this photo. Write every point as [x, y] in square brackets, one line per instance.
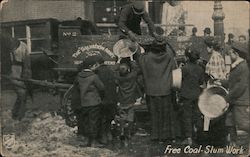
[49, 136]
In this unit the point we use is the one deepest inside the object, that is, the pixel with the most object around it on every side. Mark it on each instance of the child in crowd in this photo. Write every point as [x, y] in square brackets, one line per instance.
[91, 88]
[106, 74]
[127, 95]
[238, 86]
[192, 78]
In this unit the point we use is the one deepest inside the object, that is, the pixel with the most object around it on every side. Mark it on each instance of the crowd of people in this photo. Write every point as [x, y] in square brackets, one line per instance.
[156, 66]
[101, 92]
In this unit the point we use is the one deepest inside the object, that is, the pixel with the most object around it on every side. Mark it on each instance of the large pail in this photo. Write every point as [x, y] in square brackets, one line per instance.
[126, 48]
[212, 103]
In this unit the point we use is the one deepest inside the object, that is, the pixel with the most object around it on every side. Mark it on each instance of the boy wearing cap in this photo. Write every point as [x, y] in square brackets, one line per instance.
[91, 88]
[238, 84]
[130, 19]
[127, 95]
[192, 78]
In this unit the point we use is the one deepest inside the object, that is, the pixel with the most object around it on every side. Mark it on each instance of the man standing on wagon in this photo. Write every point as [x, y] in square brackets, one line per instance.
[130, 19]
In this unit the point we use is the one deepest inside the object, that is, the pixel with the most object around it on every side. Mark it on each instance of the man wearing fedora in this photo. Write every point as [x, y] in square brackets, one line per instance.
[130, 19]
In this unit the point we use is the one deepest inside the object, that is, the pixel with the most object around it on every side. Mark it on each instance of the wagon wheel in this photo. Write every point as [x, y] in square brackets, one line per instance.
[66, 108]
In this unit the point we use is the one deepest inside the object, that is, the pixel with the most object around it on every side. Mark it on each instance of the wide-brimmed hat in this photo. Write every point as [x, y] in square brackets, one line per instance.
[158, 45]
[160, 41]
[91, 60]
[138, 7]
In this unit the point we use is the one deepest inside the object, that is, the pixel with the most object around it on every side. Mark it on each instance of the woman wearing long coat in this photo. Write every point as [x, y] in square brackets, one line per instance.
[156, 66]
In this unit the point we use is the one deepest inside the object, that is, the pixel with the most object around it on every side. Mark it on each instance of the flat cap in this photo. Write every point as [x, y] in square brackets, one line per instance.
[241, 48]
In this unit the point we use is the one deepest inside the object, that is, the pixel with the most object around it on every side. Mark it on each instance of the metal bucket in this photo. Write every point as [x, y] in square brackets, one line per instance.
[176, 78]
[212, 103]
[126, 48]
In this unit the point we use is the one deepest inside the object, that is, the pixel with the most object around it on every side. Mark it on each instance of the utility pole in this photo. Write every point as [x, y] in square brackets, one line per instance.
[218, 17]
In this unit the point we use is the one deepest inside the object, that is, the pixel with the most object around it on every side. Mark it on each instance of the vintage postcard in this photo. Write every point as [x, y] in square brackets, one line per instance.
[124, 78]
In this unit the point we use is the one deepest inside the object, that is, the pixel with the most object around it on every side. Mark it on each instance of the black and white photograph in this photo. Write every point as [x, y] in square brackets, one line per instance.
[124, 78]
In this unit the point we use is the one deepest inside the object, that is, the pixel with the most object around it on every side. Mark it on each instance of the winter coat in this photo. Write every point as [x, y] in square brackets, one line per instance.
[90, 88]
[127, 86]
[239, 83]
[156, 67]
[129, 21]
[192, 78]
[107, 76]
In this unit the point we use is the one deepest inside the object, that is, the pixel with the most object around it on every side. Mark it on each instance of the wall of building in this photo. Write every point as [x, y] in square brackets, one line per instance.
[15, 10]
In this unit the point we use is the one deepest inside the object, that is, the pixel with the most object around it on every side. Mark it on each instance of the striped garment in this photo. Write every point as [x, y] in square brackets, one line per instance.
[216, 66]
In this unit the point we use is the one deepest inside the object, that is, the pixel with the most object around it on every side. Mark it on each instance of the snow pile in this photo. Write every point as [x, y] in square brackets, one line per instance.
[48, 135]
